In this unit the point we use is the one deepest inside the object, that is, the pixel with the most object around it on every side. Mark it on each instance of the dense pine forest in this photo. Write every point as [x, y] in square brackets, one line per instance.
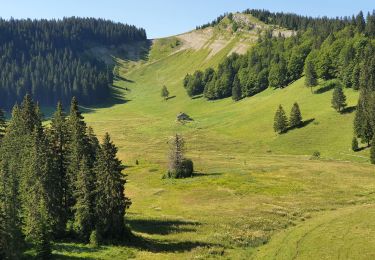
[45, 58]
[57, 182]
[335, 47]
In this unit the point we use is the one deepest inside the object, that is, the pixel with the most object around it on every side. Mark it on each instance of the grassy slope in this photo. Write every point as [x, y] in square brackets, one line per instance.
[252, 183]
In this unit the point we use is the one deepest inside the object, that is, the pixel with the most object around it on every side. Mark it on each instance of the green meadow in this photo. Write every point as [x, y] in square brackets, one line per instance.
[255, 194]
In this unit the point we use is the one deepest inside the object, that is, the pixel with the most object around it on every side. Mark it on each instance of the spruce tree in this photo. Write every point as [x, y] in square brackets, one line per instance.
[35, 195]
[280, 121]
[311, 77]
[84, 215]
[77, 148]
[236, 90]
[362, 124]
[58, 140]
[338, 99]
[295, 116]
[111, 202]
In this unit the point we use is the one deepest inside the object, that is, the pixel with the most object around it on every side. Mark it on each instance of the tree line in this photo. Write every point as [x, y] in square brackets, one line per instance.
[57, 182]
[278, 61]
[46, 58]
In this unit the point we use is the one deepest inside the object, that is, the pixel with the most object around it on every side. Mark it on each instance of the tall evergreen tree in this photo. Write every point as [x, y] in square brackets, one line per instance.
[280, 124]
[338, 99]
[111, 202]
[84, 213]
[35, 196]
[360, 22]
[77, 147]
[362, 124]
[236, 90]
[295, 116]
[311, 77]
[58, 140]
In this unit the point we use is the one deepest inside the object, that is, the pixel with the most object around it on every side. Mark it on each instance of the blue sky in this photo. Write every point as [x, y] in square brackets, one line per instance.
[168, 17]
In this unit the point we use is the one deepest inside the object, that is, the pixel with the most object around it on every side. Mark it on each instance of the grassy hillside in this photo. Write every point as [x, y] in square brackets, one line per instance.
[252, 186]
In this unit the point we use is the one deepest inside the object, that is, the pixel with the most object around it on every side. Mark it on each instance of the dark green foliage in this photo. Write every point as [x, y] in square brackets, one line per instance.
[362, 124]
[94, 239]
[295, 116]
[56, 178]
[338, 99]
[360, 22]
[277, 76]
[57, 136]
[110, 202]
[214, 22]
[195, 84]
[355, 146]
[323, 25]
[84, 201]
[315, 155]
[46, 59]
[311, 77]
[236, 90]
[323, 47]
[164, 93]
[280, 124]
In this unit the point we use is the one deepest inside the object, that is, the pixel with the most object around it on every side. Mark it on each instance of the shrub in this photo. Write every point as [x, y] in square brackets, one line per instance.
[315, 155]
[94, 239]
[184, 170]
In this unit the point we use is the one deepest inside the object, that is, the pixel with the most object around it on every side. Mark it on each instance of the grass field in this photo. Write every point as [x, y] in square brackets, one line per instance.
[256, 194]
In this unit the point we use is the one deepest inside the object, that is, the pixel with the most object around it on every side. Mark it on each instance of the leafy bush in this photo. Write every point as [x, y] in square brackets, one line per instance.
[315, 155]
[184, 170]
[94, 239]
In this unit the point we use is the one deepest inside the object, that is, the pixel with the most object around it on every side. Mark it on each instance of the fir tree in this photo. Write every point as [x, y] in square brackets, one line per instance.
[281, 121]
[338, 99]
[36, 196]
[164, 93]
[362, 123]
[58, 139]
[310, 75]
[84, 215]
[111, 202]
[77, 147]
[295, 116]
[236, 90]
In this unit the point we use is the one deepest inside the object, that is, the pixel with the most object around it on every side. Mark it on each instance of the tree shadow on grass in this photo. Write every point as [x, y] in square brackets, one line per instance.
[201, 174]
[349, 110]
[197, 96]
[72, 248]
[161, 227]
[159, 246]
[306, 122]
[324, 89]
[171, 97]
